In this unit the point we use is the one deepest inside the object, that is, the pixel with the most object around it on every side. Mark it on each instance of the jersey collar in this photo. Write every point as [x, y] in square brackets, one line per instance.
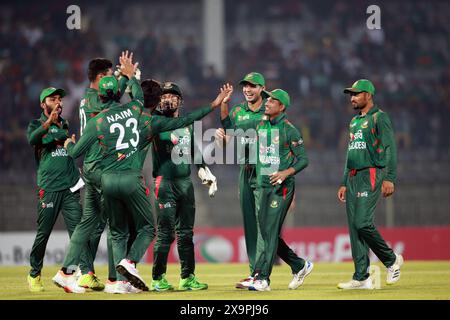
[261, 109]
[371, 111]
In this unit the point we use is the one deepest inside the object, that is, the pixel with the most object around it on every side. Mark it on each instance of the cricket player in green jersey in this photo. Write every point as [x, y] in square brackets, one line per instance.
[172, 152]
[116, 129]
[58, 181]
[370, 170]
[247, 115]
[89, 230]
[281, 155]
[243, 116]
[92, 224]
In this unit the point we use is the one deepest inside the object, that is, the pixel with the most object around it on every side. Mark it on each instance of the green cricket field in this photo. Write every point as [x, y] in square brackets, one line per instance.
[419, 280]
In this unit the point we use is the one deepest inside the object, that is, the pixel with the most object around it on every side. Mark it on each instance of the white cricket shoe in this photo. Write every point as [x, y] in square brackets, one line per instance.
[120, 287]
[393, 272]
[132, 289]
[300, 276]
[259, 285]
[245, 283]
[68, 282]
[110, 286]
[129, 271]
[355, 284]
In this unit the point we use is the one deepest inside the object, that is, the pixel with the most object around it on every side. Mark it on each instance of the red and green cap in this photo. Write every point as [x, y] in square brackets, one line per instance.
[51, 91]
[254, 78]
[108, 83]
[280, 95]
[362, 85]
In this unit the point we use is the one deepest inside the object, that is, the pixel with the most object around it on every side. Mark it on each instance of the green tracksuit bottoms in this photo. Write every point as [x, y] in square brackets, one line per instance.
[175, 208]
[125, 194]
[363, 192]
[88, 232]
[49, 206]
[249, 198]
[273, 207]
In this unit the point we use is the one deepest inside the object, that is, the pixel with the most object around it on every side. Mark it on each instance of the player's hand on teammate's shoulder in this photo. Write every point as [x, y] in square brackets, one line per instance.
[69, 140]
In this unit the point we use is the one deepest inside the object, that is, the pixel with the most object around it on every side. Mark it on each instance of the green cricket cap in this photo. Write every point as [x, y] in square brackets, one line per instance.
[50, 91]
[254, 78]
[280, 95]
[362, 85]
[108, 83]
[171, 87]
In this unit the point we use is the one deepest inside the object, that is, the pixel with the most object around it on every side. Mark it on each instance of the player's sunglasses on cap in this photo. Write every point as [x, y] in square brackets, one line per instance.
[51, 91]
[362, 85]
[280, 95]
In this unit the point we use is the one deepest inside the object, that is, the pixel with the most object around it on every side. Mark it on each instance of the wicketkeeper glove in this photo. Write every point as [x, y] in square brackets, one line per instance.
[208, 179]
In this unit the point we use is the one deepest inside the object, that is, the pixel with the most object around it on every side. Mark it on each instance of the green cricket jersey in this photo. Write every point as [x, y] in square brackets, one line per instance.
[172, 153]
[123, 131]
[372, 144]
[116, 129]
[280, 146]
[242, 117]
[153, 126]
[56, 170]
[90, 106]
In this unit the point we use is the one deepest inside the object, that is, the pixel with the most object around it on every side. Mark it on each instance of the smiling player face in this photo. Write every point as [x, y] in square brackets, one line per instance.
[252, 92]
[273, 108]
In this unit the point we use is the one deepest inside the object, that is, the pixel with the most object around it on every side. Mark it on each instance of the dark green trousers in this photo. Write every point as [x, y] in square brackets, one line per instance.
[273, 207]
[112, 273]
[249, 199]
[89, 231]
[126, 194]
[175, 208]
[49, 206]
[363, 192]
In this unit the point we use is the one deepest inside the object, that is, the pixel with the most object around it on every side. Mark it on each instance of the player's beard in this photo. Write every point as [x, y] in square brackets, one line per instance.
[358, 107]
[49, 109]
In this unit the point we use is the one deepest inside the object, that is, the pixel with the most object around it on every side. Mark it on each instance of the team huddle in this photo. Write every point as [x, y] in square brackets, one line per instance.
[114, 141]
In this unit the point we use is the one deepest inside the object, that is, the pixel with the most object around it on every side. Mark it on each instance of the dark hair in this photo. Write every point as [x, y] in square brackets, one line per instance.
[110, 96]
[152, 93]
[97, 66]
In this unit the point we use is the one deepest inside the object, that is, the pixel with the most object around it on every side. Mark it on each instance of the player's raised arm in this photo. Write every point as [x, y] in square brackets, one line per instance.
[128, 69]
[160, 124]
[224, 113]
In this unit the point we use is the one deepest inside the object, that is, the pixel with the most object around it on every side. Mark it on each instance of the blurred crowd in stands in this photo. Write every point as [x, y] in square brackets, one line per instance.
[312, 49]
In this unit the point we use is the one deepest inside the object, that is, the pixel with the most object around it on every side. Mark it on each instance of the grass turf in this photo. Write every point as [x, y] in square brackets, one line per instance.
[419, 280]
